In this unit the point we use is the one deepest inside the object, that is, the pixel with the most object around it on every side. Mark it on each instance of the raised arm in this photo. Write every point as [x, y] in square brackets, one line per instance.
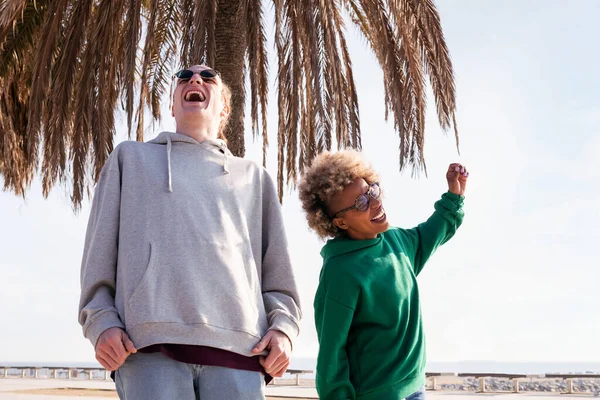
[443, 223]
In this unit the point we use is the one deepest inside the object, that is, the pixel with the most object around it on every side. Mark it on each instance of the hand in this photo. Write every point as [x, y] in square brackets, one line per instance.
[280, 349]
[113, 348]
[457, 176]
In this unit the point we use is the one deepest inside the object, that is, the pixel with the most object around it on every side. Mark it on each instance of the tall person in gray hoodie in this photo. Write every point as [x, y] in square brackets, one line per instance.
[187, 289]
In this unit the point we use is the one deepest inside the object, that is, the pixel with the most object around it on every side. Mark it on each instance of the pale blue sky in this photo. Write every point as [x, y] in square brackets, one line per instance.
[519, 282]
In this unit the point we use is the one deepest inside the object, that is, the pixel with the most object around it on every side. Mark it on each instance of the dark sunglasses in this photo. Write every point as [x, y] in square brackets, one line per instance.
[363, 201]
[207, 75]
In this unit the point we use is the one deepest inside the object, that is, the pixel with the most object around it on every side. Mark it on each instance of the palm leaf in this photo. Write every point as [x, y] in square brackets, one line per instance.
[65, 64]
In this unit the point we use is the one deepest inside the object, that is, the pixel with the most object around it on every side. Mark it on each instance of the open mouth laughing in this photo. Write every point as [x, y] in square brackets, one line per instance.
[194, 96]
[379, 217]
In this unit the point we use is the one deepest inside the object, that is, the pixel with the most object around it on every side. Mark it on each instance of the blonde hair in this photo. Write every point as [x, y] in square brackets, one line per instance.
[328, 175]
[226, 93]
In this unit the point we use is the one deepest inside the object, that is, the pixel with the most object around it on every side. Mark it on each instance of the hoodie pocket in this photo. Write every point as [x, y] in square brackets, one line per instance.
[148, 274]
[207, 283]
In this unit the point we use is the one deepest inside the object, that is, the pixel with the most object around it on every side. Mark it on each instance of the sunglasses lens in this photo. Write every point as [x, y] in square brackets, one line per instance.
[375, 191]
[184, 74]
[208, 73]
[362, 203]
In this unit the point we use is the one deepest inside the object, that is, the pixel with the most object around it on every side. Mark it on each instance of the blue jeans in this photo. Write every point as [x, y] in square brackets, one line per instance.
[155, 376]
[418, 395]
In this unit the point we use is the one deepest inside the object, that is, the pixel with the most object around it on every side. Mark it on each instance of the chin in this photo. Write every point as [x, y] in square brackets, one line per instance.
[383, 227]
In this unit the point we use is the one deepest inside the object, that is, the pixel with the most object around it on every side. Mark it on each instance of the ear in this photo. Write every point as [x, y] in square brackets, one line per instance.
[226, 110]
[340, 223]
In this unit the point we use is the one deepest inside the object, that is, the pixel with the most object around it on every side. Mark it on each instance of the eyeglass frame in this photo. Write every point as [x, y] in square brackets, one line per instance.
[368, 194]
[180, 79]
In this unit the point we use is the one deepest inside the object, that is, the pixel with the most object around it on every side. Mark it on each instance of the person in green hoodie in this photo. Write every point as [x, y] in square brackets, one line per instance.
[367, 307]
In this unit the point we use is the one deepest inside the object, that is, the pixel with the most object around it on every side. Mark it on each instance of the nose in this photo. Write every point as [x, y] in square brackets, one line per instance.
[197, 79]
[375, 203]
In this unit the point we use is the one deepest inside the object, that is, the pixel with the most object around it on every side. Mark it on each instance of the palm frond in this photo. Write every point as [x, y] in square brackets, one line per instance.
[59, 115]
[109, 33]
[436, 60]
[40, 85]
[258, 71]
[149, 54]
[87, 123]
[16, 45]
[167, 30]
[188, 33]
[402, 78]
[20, 30]
[314, 55]
[281, 46]
[129, 66]
[15, 166]
[9, 14]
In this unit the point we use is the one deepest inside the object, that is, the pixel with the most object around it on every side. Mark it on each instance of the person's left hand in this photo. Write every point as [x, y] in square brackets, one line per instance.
[457, 177]
[280, 349]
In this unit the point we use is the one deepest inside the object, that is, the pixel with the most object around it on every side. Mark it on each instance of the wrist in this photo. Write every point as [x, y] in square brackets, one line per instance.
[455, 196]
[282, 334]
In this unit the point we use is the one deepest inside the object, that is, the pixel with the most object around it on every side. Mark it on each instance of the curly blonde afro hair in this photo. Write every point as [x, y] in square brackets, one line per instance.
[328, 175]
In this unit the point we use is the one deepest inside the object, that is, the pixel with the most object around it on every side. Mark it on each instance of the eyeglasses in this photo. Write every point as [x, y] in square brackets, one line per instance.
[363, 201]
[207, 75]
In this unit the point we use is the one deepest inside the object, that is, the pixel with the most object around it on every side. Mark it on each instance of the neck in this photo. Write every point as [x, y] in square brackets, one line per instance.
[198, 131]
[351, 234]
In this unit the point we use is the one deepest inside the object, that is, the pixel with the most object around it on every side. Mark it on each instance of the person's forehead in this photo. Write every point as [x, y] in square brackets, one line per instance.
[357, 187]
[198, 68]
[360, 184]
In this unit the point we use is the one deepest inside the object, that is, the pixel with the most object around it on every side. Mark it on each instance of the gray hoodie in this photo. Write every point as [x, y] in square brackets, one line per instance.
[185, 244]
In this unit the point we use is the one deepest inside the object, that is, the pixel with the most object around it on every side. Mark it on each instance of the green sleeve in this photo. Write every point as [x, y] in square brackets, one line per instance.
[334, 310]
[437, 230]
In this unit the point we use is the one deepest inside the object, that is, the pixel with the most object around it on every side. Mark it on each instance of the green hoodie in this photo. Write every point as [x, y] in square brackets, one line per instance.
[368, 313]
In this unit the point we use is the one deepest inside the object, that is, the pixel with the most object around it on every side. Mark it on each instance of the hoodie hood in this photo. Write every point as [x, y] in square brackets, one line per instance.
[168, 138]
[339, 246]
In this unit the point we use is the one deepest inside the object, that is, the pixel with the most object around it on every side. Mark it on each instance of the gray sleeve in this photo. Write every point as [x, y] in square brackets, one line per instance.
[97, 311]
[280, 294]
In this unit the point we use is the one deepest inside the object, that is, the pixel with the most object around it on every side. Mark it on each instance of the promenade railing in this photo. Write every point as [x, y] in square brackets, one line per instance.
[516, 379]
[98, 373]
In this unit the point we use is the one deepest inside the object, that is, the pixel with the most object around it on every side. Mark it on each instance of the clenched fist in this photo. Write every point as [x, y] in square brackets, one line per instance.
[113, 348]
[457, 176]
[280, 349]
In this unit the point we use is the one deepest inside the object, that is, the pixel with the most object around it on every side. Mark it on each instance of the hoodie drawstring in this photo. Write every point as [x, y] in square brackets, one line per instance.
[225, 164]
[169, 145]
[210, 145]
